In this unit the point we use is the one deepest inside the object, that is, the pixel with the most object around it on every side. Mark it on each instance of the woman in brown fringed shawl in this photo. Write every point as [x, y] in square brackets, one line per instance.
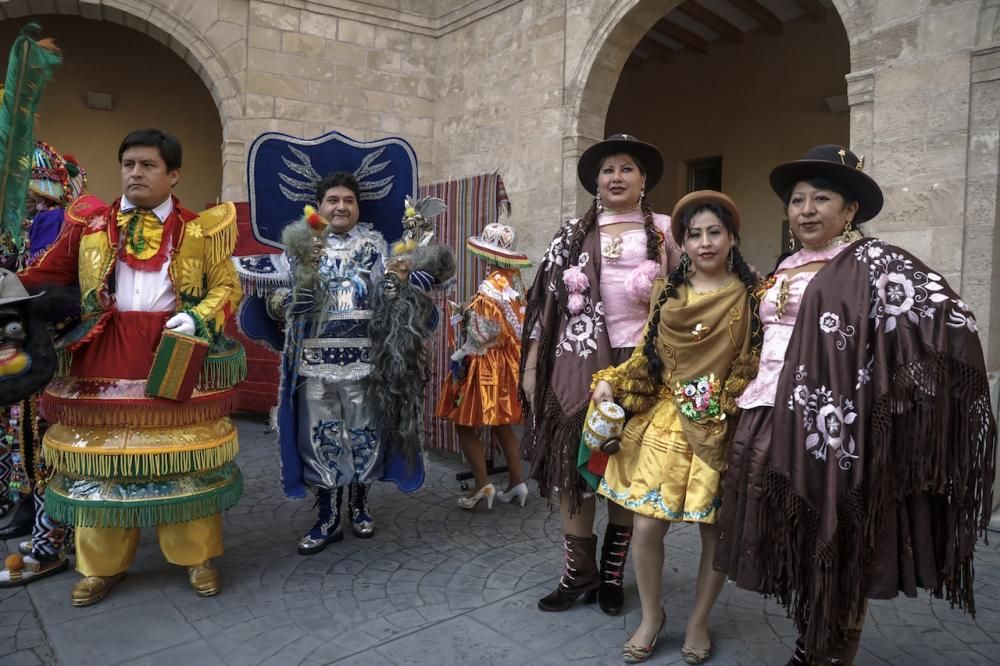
[862, 465]
[585, 312]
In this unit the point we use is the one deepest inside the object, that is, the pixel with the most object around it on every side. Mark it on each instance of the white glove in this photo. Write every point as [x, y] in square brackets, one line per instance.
[181, 322]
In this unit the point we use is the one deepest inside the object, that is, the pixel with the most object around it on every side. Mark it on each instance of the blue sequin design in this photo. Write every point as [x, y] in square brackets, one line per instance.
[326, 434]
[363, 444]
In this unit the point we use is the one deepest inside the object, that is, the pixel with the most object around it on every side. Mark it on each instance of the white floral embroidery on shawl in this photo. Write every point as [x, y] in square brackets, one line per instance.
[901, 293]
[827, 420]
[579, 336]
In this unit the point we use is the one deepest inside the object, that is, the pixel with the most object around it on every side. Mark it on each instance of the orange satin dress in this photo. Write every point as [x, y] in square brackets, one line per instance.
[487, 395]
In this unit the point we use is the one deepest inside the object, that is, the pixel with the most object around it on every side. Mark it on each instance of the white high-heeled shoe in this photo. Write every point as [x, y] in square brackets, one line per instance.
[518, 492]
[488, 491]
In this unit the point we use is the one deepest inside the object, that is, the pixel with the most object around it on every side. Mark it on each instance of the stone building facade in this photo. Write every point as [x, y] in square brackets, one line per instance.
[524, 86]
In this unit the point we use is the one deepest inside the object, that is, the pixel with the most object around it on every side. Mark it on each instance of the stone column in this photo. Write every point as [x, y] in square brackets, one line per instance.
[981, 248]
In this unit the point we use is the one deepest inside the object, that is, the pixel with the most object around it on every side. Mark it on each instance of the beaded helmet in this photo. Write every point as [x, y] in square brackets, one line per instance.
[49, 177]
[496, 245]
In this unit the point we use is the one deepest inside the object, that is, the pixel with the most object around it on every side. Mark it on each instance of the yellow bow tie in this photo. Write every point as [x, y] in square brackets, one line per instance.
[141, 231]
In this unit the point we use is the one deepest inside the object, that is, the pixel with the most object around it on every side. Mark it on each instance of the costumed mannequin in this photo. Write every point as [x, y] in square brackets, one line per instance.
[154, 277]
[481, 389]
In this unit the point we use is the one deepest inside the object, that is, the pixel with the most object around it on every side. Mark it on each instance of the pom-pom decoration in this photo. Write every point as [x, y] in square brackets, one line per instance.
[314, 219]
[639, 281]
[14, 562]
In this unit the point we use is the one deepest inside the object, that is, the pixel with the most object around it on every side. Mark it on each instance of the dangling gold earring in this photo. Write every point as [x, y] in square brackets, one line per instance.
[598, 203]
[850, 234]
[791, 238]
[642, 196]
[729, 261]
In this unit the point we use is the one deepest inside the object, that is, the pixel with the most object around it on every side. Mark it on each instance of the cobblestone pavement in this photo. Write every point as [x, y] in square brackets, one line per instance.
[437, 585]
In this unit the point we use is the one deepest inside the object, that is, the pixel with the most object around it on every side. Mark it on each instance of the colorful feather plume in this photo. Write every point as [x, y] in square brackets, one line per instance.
[31, 65]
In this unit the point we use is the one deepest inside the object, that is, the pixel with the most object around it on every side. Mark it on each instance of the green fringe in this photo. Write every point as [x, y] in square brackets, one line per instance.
[144, 514]
[64, 361]
[224, 370]
[142, 465]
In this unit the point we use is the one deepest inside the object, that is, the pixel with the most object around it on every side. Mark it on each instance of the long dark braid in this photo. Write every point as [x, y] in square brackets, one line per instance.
[742, 270]
[654, 239]
[653, 362]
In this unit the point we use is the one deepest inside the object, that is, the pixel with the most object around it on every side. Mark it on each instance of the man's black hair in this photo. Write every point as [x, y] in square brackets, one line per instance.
[338, 179]
[168, 145]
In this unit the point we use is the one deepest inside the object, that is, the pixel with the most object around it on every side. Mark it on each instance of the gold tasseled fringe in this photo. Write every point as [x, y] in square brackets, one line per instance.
[222, 372]
[218, 224]
[117, 464]
[742, 372]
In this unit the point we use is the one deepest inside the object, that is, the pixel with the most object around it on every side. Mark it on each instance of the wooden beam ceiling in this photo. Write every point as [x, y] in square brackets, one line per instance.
[712, 21]
[758, 12]
[815, 10]
[682, 35]
[655, 50]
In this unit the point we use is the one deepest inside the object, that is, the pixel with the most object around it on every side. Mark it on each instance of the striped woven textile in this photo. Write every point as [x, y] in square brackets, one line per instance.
[472, 203]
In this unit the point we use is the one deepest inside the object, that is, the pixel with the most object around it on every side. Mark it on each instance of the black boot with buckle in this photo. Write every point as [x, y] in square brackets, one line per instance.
[580, 577]
[327, 528]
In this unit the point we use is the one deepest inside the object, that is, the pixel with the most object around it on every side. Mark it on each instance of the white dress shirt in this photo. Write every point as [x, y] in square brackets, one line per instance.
[145, 291]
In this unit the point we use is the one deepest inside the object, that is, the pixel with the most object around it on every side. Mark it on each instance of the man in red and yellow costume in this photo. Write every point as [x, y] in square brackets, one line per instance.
[123, 459]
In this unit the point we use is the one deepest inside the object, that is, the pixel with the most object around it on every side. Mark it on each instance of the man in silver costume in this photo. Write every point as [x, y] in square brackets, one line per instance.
[327, 332]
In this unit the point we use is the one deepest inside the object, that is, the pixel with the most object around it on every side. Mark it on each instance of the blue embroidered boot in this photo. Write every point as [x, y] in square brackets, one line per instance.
[362, 523]
[327, 528]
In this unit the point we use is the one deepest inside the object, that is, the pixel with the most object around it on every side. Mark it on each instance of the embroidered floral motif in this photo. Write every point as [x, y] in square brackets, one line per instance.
[826, 420]
[903, 294]
[830, 323]
[865, 373]
[655, 498]
[699, 398]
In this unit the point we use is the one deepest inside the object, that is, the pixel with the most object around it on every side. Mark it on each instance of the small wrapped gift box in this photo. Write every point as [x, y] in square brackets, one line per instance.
[176, 366]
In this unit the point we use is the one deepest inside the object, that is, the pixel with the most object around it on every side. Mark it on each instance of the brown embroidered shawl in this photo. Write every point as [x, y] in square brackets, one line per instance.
[881, 468]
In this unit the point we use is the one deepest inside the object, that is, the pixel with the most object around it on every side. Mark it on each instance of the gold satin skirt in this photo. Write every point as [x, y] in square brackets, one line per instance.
[656, 473]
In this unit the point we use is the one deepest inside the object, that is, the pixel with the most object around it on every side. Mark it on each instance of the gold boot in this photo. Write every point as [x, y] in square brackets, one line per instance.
[205, 579]
[92, 589]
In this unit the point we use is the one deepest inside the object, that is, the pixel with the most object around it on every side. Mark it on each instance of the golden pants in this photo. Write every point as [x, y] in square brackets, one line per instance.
[106, 551]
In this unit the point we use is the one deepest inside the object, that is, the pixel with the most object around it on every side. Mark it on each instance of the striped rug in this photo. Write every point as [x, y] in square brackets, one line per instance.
[472, 203]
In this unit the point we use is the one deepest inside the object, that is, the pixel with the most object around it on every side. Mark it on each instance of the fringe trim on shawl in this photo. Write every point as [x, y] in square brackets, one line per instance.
[143, 414]
[943, 407]
[158, 512]
[123, 464]
[553, 449]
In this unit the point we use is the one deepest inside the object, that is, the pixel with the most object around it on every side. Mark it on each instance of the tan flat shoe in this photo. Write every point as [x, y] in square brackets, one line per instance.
[92, 589]
[205, 579]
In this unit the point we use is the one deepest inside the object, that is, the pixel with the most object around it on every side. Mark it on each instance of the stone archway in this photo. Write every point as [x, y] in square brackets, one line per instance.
[613, 34]
[211, 41]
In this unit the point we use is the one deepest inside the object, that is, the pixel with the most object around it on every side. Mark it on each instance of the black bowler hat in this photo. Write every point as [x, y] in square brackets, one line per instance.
[837, 164]
[590, 162]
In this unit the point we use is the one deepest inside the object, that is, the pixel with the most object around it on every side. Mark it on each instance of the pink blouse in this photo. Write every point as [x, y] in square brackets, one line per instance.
[778, 330]
[625, 306]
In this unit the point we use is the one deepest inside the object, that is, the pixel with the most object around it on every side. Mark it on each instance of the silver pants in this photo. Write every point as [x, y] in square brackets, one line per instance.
[338, 443]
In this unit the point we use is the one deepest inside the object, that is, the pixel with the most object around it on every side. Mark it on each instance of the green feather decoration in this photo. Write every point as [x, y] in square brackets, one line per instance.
[30, 67]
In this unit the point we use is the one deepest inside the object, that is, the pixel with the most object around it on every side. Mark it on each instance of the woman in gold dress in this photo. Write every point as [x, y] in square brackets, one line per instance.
[699, 350]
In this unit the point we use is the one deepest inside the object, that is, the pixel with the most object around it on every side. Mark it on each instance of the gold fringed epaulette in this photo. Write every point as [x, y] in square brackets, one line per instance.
[218, 226]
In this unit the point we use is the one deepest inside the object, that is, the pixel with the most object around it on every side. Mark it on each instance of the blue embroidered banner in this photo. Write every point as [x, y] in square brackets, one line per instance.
[283, 171]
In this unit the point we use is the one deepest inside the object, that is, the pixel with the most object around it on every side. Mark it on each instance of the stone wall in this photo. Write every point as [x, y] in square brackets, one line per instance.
[523, 86]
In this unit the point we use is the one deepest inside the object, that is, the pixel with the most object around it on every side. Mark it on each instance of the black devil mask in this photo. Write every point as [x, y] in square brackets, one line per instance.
[27, 355]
